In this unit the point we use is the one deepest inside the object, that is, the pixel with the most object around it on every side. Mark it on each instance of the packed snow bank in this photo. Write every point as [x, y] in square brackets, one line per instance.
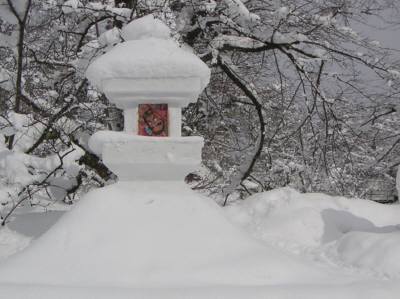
[363, 233]
[153, 234]
[147, 58]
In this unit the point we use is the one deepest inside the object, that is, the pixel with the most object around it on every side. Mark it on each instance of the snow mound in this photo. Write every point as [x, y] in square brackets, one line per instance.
[148, 58]
[11, 242]
[377, 251]
[152, 234]
[310, 219]
[145, 27]
[363, 233]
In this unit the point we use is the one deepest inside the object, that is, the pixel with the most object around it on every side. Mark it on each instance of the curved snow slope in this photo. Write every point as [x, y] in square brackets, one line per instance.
[152, 234]
[147, 59]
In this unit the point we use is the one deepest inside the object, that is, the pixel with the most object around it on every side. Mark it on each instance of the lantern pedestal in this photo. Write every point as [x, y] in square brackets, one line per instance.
[139, 158]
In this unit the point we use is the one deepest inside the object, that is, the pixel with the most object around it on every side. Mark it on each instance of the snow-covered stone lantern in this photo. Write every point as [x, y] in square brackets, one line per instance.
[136, 237]
[151, 78]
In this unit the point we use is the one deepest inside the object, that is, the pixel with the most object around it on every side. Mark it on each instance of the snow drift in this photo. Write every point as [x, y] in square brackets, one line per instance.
[360, 232]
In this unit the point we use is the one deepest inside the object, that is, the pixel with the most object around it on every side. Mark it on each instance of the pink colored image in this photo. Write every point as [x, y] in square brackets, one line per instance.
[153, 119]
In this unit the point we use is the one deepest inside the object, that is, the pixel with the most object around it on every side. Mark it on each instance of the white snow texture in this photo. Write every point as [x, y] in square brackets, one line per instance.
[151, 234]
[157, 239]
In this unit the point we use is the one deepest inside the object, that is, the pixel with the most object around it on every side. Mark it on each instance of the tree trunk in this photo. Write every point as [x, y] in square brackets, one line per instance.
[125, 3]
[20, 52]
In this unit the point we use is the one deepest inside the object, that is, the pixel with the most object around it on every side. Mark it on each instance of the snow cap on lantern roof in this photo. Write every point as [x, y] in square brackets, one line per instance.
[149, 67]
[145, 27]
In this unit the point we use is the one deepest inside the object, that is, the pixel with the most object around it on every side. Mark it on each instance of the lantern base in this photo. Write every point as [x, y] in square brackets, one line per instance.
[140, 158]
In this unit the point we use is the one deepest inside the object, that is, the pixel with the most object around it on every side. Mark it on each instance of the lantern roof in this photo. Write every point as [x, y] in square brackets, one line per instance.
[147, 59]
[147, 66]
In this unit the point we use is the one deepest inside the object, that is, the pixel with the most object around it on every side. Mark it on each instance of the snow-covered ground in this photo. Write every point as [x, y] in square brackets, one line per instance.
[180, 245]
[383, 290]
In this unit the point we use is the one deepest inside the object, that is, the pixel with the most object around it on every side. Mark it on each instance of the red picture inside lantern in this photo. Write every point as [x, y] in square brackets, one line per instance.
[153, 119]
